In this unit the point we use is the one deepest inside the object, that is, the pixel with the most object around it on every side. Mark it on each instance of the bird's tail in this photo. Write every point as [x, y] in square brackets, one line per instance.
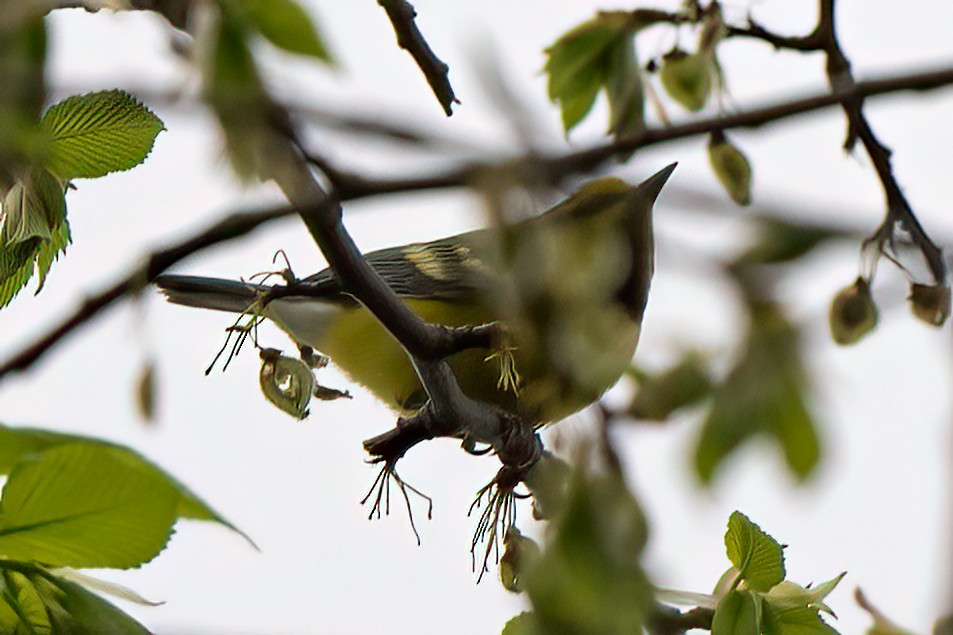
[208, 293]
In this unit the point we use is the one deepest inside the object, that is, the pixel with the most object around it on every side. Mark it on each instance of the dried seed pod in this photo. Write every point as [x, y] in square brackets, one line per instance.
[731, 167]
[930, 303]
[287, 382]
[853, 313]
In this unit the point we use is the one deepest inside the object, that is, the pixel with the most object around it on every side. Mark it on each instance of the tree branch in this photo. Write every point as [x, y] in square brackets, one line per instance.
[402, 14]
[349, 186]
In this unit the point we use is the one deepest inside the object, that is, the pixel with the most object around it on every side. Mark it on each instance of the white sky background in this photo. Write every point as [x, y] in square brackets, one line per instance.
[878, 508]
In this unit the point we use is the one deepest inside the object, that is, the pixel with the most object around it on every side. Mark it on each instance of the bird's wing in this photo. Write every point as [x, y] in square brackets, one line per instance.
[457, 268]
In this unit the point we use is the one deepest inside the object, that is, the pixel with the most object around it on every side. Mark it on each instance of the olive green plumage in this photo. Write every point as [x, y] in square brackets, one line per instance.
[570, 287]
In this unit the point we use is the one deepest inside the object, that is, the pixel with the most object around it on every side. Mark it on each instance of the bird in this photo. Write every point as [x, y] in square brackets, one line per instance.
[569, 288]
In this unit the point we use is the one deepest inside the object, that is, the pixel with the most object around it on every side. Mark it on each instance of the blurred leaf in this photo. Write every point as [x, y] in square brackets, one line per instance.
[731, 167]
[588, 579]
[287, 25]
[687, 78]
[764, 393]
[21, 594]
[853, 313]
[623, 84]
[177, 12]
[944, 625]
[737, 613]
[782, 241]
[8, 617]
[882, 624]
[684, 384]
[146, 391]
[22, 61]
[247, 116]
[930, 303]
[522, 624]
[21, 444]
[520, 553]
[757, 556]
[102, 586]
[596, 54]
[73, 609]
[84, 505]
[98, 133]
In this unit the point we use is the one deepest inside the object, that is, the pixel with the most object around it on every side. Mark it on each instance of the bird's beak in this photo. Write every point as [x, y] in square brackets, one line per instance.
[649, 188]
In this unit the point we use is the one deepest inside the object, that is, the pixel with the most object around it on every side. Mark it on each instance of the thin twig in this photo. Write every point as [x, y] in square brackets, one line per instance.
[402, 16]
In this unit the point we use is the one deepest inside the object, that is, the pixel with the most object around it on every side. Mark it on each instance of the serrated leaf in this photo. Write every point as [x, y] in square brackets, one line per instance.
[737, 613]
[731, 167]
[794, 621]
[764, 393]
[73, 609]
[757, 556]
[687, 78]
[20, 592]
[84, 505]
[287, 25]
[98, 133]
[20, 444]
[16, 268]
[49, 251]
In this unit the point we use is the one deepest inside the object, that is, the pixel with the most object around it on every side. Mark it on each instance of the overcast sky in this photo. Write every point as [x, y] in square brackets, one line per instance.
[877, 508]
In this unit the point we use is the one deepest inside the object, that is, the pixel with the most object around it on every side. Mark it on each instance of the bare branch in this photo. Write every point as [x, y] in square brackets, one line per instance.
[409, 37]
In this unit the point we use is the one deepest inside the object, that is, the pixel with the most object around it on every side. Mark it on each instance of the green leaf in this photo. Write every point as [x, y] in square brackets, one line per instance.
[85, 505]
[16, 268]
[33, 208]
[684, 384]
[781, 241]
[764, 393]
[75, 610]
[50, 250]
[624, 89]
[588, 579]
[581, 62]
[794, 621]
[687, 78]
[21, 444]
[520, 553]
[757, 556]
[737, 613]
[522, 624]
[98, 133]
[21, 594]
[731, 167]
[287, 25]
[8, 617]
[787, 594]
[882, 625]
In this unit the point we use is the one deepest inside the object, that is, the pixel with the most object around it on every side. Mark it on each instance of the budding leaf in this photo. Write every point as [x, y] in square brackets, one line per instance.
[757, 556]
[731, 167]
[687, 78]
[737, 613]
[853, 313]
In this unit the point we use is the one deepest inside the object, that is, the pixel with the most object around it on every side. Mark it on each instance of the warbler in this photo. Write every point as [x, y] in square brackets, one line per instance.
[569, 287]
